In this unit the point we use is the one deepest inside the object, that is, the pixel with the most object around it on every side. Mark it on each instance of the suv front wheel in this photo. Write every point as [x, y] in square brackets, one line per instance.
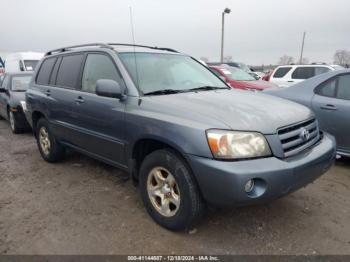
[50, 149]
[169, 191]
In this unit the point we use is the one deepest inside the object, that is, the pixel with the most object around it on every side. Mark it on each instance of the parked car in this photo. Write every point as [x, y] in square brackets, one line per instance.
[289, 75]
[328, 95]
[239, 65]
[240, 79]
[185, 137]
[22, 62]
[12, 100]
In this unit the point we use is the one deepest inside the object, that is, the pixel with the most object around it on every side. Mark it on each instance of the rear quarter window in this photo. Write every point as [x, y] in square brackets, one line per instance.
[45, 71]
[303, 72]
[281, 72]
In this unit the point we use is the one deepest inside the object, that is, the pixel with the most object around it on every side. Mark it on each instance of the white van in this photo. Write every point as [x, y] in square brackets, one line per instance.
[21, 62]
[288, 75]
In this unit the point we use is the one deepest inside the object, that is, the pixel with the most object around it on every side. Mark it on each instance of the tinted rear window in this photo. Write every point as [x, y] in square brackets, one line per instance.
[45, 71]
[281, 72]
[303, 72]
[69, 71]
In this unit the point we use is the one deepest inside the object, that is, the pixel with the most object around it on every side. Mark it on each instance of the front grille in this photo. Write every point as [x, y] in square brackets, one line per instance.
[298, 137]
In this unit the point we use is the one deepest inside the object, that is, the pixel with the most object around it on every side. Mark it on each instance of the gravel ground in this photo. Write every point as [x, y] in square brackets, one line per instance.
[81, 206]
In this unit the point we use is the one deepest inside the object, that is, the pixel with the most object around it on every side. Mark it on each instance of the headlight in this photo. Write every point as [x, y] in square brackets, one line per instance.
[237, 145]
[24, 105]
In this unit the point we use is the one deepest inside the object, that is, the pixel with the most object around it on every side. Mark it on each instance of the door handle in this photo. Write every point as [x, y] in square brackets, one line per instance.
[329, 107]
[79, 100]
[48, 92]
[290, 81]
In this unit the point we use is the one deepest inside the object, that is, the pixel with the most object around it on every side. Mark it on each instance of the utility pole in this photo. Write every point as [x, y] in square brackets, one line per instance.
[226, 11]
[302, 49]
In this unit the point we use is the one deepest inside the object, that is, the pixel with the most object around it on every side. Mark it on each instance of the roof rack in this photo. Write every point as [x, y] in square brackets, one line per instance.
[146, 46]
[67, 48]
[109, 45]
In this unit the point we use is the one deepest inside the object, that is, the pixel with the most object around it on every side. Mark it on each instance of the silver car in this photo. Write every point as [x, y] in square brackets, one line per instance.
[328, 95]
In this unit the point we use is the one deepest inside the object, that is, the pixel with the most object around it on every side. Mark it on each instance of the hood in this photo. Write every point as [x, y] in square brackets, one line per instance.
[237, 110]
[258, 84]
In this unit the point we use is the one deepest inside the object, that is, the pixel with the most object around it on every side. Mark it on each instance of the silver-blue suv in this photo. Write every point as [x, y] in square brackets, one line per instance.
[184, 136]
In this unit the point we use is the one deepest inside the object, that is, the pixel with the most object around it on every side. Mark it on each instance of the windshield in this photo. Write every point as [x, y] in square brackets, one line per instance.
[237, 74]
[30, 64]
[20, 83]
[156, 72]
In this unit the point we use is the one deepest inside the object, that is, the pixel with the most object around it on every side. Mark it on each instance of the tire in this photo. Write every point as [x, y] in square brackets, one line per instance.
[50, 149]
[13, 123]
[181, 190]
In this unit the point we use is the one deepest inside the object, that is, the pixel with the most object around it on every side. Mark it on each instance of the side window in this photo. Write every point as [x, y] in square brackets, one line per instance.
[327, 88]
[281, 72]
[321, 70]
[303, 72]
[98, 66]
[344, 87]
[69, 71]
[45, 71]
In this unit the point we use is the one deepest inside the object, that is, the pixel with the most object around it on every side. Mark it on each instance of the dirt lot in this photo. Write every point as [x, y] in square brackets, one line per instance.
[81, 206]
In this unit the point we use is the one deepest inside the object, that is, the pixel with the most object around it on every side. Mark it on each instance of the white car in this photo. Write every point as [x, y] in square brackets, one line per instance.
[21, 62]
[288, 75]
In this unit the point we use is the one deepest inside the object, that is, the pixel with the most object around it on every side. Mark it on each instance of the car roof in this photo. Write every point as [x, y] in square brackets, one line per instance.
[309, 65]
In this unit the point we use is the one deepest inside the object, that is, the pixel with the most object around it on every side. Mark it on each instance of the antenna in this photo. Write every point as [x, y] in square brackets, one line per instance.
[133, 40]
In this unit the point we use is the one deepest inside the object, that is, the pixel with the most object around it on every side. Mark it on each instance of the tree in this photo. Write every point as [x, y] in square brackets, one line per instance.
[342, 57]
[286, 60]
[228, 58]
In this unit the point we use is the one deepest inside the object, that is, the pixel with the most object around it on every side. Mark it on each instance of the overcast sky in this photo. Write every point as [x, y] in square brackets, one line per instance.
[257, 31]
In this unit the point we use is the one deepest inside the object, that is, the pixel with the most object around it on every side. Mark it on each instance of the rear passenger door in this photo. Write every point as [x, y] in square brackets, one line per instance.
[331, 104]
[100, 120]
[281, 76]
[64, 81]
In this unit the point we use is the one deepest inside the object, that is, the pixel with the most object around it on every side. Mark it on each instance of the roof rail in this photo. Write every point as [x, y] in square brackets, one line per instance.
[67, 48]
[145, 46]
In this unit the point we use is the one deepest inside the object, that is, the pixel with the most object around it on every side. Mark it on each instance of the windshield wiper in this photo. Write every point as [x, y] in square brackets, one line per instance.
[206, 88]
[164, 92]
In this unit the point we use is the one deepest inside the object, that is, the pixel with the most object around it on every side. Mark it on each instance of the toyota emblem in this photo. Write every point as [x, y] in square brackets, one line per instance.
[304, 134]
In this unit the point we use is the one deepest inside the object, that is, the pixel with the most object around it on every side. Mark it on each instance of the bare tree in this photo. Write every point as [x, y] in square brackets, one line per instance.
[204, 59]
[228, 58]
[342, 57]
[286, 60]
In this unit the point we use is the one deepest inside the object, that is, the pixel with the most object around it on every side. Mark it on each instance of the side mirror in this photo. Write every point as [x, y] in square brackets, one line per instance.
[109, 88]
[2, 90]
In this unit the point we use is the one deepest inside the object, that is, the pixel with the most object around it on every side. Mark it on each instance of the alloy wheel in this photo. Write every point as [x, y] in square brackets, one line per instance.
[44, 140]
[163, 191]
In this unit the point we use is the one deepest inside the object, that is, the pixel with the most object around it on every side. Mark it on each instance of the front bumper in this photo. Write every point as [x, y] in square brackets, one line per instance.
[21, 119]
[222, 183]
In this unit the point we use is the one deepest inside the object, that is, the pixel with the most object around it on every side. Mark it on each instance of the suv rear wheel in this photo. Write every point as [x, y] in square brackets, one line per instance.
[169, 191]
[49, 147]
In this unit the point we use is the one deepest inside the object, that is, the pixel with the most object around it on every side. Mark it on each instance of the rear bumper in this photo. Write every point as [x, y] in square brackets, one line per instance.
[222, 183]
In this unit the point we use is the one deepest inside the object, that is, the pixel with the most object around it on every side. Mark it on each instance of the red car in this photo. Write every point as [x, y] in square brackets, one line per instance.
[240, 79]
